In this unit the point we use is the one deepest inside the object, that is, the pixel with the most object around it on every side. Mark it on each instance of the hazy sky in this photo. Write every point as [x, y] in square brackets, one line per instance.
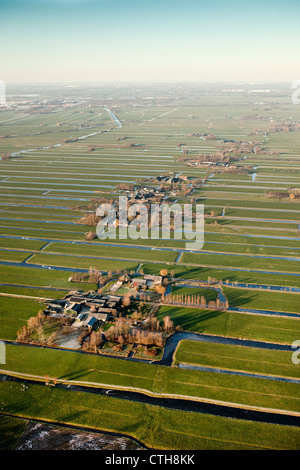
[139, 40]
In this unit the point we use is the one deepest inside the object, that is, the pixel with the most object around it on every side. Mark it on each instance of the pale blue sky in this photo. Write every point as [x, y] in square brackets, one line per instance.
[167, 40]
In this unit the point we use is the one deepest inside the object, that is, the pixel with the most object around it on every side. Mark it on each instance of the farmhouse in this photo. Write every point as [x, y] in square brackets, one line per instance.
[80, 320]
[85, 306]
[101, 316]
[139, 283]
[153, 280]
[76, 307]
[92, 323]
[116, 286]
[81, 317]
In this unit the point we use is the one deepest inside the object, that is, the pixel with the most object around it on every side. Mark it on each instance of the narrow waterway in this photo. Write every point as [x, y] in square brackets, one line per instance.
[174, 403]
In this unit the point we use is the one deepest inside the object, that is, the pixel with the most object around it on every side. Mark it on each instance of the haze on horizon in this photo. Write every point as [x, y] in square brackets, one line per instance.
[159, 41]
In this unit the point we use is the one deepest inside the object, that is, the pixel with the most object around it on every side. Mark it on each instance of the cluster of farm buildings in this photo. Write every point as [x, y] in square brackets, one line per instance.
[89, 309]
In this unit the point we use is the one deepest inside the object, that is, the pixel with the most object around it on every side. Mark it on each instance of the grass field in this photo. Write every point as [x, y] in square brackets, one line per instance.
[239, 276]
[283, 302]
[209, 294]
[11, 430]
[177, 430]
[41, 278]
[122, 252]
[84, 263]
[234, 325]
[152, 378]
[255, 263]
[238, 358]
[14, 313]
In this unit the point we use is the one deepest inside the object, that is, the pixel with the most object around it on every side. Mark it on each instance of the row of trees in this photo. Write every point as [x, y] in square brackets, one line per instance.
[123, 333]
[195, 301]
[5, 156]
[292, 194]
[93, 341]
[93, 275]
[282, 126]
[153, 324]
[89, 219]
[33, 324]
[153, 332]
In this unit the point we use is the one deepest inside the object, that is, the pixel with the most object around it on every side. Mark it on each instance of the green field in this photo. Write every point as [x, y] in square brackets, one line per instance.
[234, 325]
[11, 430]
[278, 301]
[102, 264]
[177, 430]
[152, 378]
[14, 313]
[104, 251]
[237, 358]
[239, 276]
[250, 262]
[41, 278]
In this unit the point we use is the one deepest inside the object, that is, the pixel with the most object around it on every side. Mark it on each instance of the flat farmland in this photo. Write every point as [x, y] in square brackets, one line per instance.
[234, 275]
[156, 379]
[237, 358]
[233, 325]
[63, 160]
[178, 430]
